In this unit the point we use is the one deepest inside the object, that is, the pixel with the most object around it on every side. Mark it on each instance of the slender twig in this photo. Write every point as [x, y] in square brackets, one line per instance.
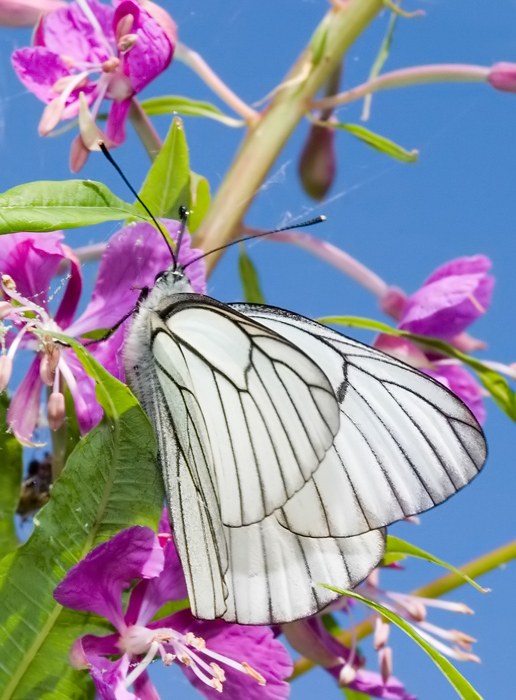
[196, 63]
[406, 77]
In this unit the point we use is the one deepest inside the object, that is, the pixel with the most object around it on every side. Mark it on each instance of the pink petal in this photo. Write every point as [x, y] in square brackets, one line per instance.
[115, 127]
[460, 381]
[69, 32]
[70, 300]
[472, 265]
[109, 678]
[23, 412]
[87, 409]
[32, 259]
[152, 52]
[447, 306]
[255, 645]
[131, 261]
[97, 582]
[39, 69]
[149, 596]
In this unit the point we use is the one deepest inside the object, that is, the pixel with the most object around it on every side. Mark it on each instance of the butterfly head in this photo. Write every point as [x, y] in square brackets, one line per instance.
[173, 281]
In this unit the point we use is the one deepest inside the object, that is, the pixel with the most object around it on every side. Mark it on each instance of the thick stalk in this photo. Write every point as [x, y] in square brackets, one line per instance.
[435, 589]
[336, 33]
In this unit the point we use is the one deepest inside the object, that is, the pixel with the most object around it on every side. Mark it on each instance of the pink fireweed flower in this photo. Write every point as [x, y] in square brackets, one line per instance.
[28, 262]
[310, 638]
[414, 609]
[98, 50]
[448, 302]
[216, 656]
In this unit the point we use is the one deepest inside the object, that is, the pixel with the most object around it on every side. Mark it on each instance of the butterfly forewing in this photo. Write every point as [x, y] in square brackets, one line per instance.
[405, 442]
[270, 411]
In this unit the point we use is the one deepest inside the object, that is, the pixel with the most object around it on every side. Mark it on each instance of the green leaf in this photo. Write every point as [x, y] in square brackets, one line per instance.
[49, 205]
[199, 200]
[380, 143]
[167, 185]
[350, 694]
[109, 482]
[493, 381]
[249, 278]
[395, 545]
[175, 104]
[10, 481]
[464, 689]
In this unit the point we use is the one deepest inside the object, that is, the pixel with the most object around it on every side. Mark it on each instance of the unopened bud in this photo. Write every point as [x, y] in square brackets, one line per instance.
[317, 164]
[6, 369]
[502, 76]
[385, 658]
[56, 410]
[381, 633]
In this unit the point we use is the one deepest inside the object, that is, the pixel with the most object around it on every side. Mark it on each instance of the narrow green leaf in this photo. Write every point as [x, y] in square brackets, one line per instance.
[199, 200]
[464, 689]
[167, 185]
[10, 481]
[109, 482]
[493, 381]
[395, 546]
[381, 58]
[49, 205]
[175, 104]
[379, 143]
[249, 278]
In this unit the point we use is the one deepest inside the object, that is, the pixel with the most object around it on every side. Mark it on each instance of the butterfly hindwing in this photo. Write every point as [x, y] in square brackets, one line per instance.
[405, 442]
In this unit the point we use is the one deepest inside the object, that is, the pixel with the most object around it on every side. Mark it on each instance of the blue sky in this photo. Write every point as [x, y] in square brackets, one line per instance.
[400, 220]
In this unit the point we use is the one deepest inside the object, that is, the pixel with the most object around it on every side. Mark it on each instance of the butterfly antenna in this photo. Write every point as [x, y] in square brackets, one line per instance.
[183, 218]
[252, 236]
[119, 170]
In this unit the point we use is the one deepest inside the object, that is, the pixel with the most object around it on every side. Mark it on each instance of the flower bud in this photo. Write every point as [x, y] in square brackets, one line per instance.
[6, 368]
[56, 410]
[385, 658]
[502, 76]
[317, 164]
[381, 633]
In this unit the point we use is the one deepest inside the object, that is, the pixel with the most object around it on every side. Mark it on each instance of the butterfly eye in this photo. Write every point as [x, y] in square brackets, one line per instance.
[159, 276]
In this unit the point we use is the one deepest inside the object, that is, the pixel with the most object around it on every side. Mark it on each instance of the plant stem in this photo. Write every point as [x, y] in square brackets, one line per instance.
[265, 139]
[406, 77]
[196, 62]
[435, 589]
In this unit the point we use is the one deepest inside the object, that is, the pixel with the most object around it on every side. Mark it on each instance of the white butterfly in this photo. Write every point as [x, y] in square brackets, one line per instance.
[286, 448]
